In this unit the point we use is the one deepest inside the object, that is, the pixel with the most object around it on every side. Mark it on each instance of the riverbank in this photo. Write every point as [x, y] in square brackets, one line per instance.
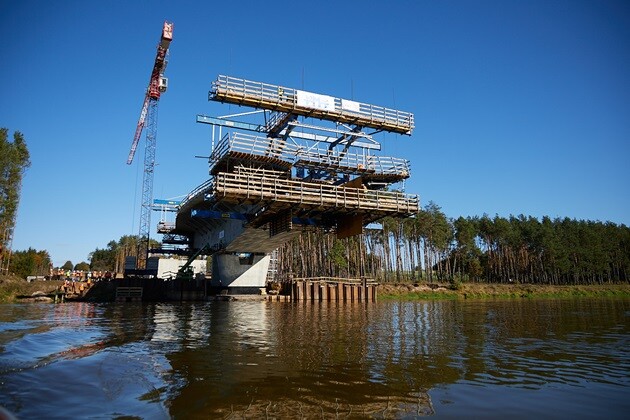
[416, 291]
[14, 289]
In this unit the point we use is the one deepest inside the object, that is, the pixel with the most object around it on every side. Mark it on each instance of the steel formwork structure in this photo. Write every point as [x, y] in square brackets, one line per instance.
[310, 163]
[288, 163]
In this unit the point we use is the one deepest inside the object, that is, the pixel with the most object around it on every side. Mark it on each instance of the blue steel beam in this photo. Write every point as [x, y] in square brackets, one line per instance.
[166, 202]
[165, 205]
[213, 214]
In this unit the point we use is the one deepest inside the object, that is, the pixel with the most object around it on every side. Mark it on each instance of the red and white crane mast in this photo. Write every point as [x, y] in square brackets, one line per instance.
[148, 116]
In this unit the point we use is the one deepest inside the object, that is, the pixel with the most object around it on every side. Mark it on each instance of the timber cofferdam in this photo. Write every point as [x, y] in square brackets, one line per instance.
[309, 164]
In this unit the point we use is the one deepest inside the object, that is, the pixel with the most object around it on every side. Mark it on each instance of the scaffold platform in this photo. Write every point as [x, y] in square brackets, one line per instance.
[280, 154]
[239, 188]
[298, 102]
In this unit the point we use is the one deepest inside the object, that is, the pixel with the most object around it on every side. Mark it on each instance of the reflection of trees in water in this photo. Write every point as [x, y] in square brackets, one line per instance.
[287, 360]
[128, 323]
[520, 343]
[283, 359]
[417, 343]
[524, 343]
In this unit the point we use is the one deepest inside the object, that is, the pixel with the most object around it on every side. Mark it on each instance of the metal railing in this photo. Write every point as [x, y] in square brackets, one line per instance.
[165, 227]
[276, 119]
[251, 145]
[201, 189]
[280, 98]
[310, 157]
[249, 188]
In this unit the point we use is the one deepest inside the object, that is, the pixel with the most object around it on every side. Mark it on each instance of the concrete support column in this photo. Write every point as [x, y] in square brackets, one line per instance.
[241, 274]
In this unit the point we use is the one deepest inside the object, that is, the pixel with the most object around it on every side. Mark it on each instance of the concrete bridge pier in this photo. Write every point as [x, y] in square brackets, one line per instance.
[240, 273]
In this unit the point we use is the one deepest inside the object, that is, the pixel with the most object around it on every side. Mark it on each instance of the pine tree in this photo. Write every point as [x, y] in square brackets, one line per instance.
[14, 159]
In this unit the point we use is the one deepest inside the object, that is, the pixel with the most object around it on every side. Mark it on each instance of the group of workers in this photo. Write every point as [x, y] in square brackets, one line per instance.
[76, 287]
[81, 275]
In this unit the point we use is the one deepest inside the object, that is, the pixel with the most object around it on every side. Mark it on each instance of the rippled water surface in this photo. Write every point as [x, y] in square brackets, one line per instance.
[484, 359]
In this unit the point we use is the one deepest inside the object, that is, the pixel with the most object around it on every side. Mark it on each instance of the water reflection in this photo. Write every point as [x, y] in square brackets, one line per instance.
[534, 344]
[289, 360]
[283, 360]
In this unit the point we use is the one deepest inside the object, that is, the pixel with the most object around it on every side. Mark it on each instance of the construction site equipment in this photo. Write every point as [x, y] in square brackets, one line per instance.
[310, 164]
[148, 116]
[289, 165]
[185, 271]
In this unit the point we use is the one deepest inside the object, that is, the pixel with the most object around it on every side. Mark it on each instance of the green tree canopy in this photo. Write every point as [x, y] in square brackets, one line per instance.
[104, 259]
[337, 255]
[432, 247]
[112, 258]
[82, 266]
[30, 263]
[14, 159]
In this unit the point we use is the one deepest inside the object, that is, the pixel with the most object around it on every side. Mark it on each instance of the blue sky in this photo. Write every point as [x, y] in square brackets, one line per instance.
[521, 107]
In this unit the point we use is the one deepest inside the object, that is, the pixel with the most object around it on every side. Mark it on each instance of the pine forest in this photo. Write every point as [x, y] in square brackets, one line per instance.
[432, 248]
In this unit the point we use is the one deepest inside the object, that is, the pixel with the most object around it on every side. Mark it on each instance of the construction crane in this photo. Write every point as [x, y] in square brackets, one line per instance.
[148, 116]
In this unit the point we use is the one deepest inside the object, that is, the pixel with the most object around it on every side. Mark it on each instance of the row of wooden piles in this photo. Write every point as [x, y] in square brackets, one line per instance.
[331, 290]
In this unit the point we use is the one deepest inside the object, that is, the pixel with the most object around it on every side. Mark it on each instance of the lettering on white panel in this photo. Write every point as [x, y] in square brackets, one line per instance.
[315, 100]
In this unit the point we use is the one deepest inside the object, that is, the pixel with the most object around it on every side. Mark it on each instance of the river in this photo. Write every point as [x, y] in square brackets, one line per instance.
[390, 359]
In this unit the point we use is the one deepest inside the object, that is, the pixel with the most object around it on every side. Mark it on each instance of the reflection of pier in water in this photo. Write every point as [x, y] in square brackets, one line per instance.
[253, 359]
[273, 366]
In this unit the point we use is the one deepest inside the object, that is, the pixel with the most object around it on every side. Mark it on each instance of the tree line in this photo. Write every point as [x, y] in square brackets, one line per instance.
[112, 257]
[32, 262]
[431, 247]
[14, 160]
[428, 247]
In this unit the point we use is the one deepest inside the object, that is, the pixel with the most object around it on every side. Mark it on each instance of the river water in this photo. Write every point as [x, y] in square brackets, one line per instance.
[390, 359]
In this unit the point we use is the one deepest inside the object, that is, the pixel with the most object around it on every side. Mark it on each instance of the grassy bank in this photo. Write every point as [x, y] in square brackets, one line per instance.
[498, 291]
[11, 287]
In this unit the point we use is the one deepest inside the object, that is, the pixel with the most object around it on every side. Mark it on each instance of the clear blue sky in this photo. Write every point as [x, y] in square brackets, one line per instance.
[521, 107]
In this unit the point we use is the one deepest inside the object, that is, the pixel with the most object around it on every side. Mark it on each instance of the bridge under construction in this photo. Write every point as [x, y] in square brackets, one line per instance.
[293, 160]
